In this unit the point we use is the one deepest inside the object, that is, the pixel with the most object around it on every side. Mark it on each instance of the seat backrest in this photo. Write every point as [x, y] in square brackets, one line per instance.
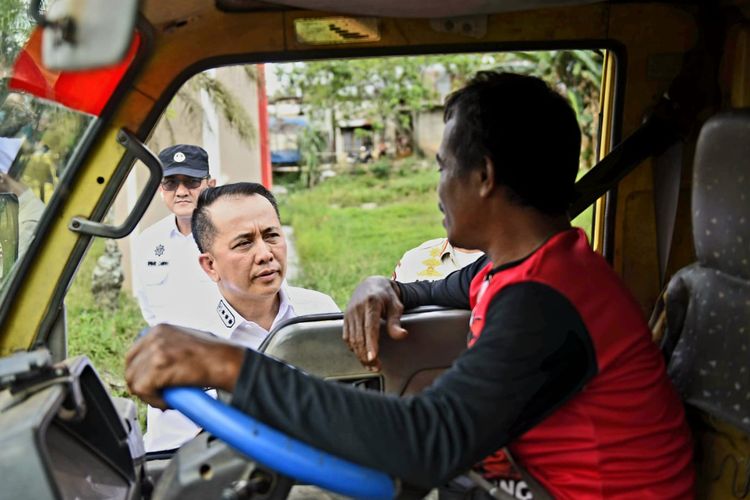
[313, 343]
[707, 341]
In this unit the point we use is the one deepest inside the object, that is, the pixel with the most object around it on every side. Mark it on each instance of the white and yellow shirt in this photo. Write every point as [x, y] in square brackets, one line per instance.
[432, 260]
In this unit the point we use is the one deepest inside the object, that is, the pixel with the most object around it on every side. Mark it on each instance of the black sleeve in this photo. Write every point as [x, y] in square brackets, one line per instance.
[532, 356]
[451, 291]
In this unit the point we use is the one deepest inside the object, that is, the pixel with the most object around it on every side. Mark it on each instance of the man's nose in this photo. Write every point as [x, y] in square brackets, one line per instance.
[263, 253]
[182, 190]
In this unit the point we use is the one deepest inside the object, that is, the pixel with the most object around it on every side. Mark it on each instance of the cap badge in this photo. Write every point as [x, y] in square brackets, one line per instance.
[179, 157]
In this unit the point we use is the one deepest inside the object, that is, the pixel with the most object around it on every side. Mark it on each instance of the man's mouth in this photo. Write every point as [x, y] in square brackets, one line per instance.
[267, 275]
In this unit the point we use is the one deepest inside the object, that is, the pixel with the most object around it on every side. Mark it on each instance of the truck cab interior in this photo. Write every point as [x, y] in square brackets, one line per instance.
[669, 194]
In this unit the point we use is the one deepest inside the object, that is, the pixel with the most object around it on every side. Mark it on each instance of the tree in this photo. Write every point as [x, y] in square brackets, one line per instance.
[391, 90]
[375, 89]
[187, 105]
[312, 144]
[15, 26]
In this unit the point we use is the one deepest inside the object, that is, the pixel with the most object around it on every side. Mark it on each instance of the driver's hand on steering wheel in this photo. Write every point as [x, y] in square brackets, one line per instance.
[374, 299]
[174, 356]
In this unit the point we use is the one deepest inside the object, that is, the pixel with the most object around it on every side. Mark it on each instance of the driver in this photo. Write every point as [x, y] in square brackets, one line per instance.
[560, 366]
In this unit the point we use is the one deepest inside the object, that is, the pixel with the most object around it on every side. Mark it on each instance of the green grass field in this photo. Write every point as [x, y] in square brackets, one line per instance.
[351, 227]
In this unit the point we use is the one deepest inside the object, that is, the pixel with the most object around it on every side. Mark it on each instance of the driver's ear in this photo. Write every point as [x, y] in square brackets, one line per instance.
[486, 177]
[208, 265]
[211, 182]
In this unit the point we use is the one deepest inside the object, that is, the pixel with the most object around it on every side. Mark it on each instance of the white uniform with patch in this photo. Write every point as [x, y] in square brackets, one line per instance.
[168, 281]
[169, 429]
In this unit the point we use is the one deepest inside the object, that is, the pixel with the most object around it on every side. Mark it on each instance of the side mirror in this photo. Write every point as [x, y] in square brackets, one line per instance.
[85, 34]
[8, 232]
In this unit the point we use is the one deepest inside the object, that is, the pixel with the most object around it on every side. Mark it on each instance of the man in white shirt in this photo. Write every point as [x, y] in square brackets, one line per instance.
[243, 250]
[168, 280]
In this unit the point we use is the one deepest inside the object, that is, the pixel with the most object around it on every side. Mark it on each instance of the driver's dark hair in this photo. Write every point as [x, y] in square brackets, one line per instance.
[528, 130]
[204, 231]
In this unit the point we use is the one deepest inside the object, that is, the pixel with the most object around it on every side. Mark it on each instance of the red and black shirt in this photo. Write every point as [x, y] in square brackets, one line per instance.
[561, 368]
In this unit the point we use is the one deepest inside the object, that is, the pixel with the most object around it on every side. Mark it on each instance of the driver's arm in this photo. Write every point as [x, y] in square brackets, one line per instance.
[451, 291]
[377, 298]
[533, 355]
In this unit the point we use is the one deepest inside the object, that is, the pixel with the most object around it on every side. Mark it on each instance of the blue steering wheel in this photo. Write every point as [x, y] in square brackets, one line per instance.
[277, 451]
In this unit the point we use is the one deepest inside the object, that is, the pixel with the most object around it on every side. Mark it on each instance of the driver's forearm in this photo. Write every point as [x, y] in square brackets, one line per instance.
[452, 291]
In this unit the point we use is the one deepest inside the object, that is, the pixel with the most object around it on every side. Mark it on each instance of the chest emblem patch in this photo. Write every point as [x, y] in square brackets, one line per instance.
[159, 250]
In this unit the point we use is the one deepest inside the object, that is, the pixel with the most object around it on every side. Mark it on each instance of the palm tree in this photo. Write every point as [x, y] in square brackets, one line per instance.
[187, 105]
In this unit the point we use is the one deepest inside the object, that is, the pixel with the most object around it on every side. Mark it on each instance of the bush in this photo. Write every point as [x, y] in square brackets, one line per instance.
[381, 169]
[102, 335]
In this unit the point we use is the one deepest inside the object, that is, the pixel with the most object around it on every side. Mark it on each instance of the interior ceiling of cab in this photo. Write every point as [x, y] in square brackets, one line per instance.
[413, 8]
[159, 11]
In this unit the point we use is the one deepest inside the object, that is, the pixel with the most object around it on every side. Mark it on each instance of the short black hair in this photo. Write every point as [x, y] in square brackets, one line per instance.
[204, 230]
[528, 130]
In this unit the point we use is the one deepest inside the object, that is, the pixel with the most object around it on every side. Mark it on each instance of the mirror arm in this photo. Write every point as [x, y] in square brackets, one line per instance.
[65, 28]
[136, 148]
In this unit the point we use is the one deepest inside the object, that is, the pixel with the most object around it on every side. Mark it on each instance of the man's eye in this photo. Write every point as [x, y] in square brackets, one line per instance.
[242, 244]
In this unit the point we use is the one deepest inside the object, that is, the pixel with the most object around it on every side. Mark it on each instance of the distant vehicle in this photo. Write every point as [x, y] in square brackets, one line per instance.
[283, 137]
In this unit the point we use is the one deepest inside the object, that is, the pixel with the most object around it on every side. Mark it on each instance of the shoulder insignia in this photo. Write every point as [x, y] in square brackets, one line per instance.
[159, 250]
[430, 272]
[433, 261]
[227, 317]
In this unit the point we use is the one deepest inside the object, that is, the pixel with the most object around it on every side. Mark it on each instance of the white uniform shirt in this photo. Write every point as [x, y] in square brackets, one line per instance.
[432, 260]
[167, 430]
[168, 280]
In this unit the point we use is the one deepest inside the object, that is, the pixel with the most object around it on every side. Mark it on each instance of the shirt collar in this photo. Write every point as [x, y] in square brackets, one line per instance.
[174, 232]
[446, 250]
[230, 319]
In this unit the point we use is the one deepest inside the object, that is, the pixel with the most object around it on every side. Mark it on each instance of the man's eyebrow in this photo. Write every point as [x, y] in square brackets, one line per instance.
[248, 234]
[270, 229]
